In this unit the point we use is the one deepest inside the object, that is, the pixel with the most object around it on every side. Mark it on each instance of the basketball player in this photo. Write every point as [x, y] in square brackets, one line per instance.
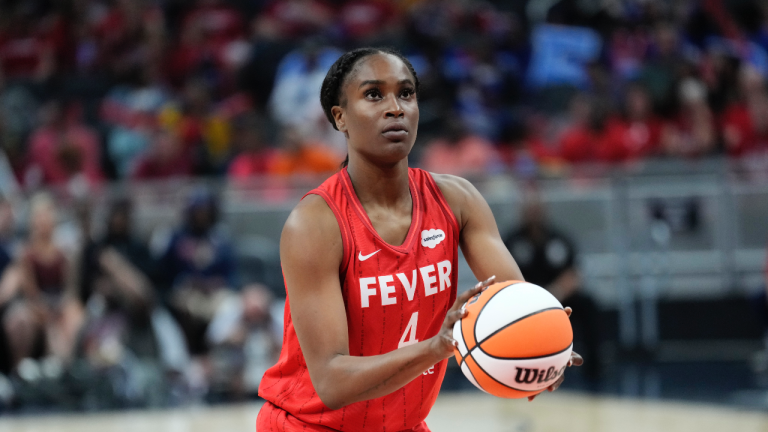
[370, 260]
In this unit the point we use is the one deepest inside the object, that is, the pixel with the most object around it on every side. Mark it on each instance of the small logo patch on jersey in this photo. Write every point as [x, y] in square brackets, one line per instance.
[431, 238]
[362, 257]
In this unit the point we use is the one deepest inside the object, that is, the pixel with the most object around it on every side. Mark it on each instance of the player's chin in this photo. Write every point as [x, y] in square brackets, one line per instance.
[393, 151]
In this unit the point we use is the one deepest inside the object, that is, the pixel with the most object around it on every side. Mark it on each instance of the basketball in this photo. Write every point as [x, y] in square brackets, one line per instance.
[515, 341]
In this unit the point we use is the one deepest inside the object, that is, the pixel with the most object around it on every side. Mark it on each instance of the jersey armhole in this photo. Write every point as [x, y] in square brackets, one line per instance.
[438, 194]
[345, 235]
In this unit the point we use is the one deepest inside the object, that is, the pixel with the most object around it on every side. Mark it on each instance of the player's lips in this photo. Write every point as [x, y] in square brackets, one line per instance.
[395, 131]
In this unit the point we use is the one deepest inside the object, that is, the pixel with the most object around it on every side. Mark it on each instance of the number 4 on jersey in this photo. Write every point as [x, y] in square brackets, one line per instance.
[410, 332]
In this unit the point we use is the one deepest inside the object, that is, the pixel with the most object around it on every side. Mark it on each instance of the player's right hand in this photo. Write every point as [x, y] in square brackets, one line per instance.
[443, 343]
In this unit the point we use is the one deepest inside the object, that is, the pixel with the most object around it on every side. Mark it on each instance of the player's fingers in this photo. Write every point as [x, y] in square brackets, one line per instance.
[465, 296]
[531, 398]
[452, 317]
[449, 340]
[568, 311]
[576, 360]
[488, 282]
[557, 383]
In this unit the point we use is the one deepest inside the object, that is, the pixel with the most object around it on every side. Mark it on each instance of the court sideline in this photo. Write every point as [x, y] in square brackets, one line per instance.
[572, 412]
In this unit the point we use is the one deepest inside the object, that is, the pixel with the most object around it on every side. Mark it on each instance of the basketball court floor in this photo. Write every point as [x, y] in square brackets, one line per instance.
[464, 411]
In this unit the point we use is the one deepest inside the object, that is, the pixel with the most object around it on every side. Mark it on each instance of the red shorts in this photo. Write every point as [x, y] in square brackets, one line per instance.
[274, 419]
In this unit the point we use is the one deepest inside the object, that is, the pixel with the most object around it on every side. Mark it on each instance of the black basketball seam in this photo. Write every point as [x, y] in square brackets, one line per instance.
[499, 382]
[474, 326]
[526, 358]
[473, 375]
[461, 330]
[513, 322]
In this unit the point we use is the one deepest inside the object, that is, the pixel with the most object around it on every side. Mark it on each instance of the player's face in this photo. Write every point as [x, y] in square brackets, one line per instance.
[381, 114]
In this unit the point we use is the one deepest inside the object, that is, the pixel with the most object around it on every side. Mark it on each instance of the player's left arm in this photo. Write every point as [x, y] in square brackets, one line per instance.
[479, 236]
[480, 240]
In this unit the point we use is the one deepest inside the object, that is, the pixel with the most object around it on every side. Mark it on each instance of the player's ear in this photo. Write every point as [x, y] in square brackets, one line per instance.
[338, 117]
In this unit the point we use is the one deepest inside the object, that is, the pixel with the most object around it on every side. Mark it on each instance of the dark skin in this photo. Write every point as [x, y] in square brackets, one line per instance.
[378, 95]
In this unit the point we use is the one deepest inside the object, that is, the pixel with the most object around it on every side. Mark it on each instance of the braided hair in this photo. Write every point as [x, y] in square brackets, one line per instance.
[330, 92]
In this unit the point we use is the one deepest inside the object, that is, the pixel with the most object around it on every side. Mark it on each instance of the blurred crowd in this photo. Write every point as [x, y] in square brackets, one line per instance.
[102, 319]
[97, 91]
[100, 90]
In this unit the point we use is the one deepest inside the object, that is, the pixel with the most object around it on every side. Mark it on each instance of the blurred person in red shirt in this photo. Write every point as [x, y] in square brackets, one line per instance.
[298, 155]
[638, 126]
[299, 18]
[692, 133]
[63, 150]
[219, 22]
[254, 157]
[28, 44]
[745, 122]
[367, 21]
[130, 35]
[213, 38]
[591, 138]
[165, 159]
[459, 152]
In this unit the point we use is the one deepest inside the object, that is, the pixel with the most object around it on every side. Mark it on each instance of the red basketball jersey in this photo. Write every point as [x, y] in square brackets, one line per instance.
[394, 296]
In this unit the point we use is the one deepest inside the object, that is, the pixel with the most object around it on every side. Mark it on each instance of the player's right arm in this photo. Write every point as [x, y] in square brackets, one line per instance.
[311, 252]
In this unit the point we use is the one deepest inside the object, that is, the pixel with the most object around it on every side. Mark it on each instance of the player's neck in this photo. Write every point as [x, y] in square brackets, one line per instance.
[380, 185]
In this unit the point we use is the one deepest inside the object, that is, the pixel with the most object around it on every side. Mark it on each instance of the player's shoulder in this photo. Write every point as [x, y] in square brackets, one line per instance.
[453, 184]
[460, 194]
[311, 221]
[458, 191]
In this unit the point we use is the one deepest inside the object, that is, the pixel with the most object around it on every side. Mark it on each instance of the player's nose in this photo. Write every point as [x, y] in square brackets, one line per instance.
[393, 107]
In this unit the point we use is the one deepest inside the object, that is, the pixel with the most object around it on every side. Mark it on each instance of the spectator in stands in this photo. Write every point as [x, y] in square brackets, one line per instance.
[745, 121]
[591, 137]
[294, 102]
[254, 158]
[125, 322]
[246, 339]
[367, 22]
[115, 282]
[43, 313]
[299, 18]
[165, 159]
[548, 258]
[198, 270]
[126, 34]
[664, 65]
[523, 148]
[27, 47]
[638, 126]
[300, 156]
[63, 150]
[204, 131]
[459, 152]
[692, 133]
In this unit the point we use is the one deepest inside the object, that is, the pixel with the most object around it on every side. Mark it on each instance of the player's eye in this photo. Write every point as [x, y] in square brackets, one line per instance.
[373, 93]
[407, 93]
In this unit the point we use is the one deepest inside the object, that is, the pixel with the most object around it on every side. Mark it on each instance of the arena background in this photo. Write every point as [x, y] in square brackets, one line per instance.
[638, 129]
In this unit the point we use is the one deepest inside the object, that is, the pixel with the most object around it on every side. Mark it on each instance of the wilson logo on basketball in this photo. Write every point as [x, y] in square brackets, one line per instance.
[530, 376]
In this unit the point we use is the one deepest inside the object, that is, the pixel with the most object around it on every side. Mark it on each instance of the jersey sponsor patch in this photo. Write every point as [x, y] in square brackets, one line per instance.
[431, 238]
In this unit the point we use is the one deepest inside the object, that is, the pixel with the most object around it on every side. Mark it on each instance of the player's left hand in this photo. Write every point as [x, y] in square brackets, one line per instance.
[576, 360]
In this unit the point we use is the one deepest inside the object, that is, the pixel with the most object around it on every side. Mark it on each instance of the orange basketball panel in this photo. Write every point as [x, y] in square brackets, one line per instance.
[474, 306]
[457, 354]
[494, 387]
[542, 334]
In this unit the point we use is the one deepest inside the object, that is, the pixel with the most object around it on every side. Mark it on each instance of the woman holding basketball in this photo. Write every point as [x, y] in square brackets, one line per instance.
[370, 260]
